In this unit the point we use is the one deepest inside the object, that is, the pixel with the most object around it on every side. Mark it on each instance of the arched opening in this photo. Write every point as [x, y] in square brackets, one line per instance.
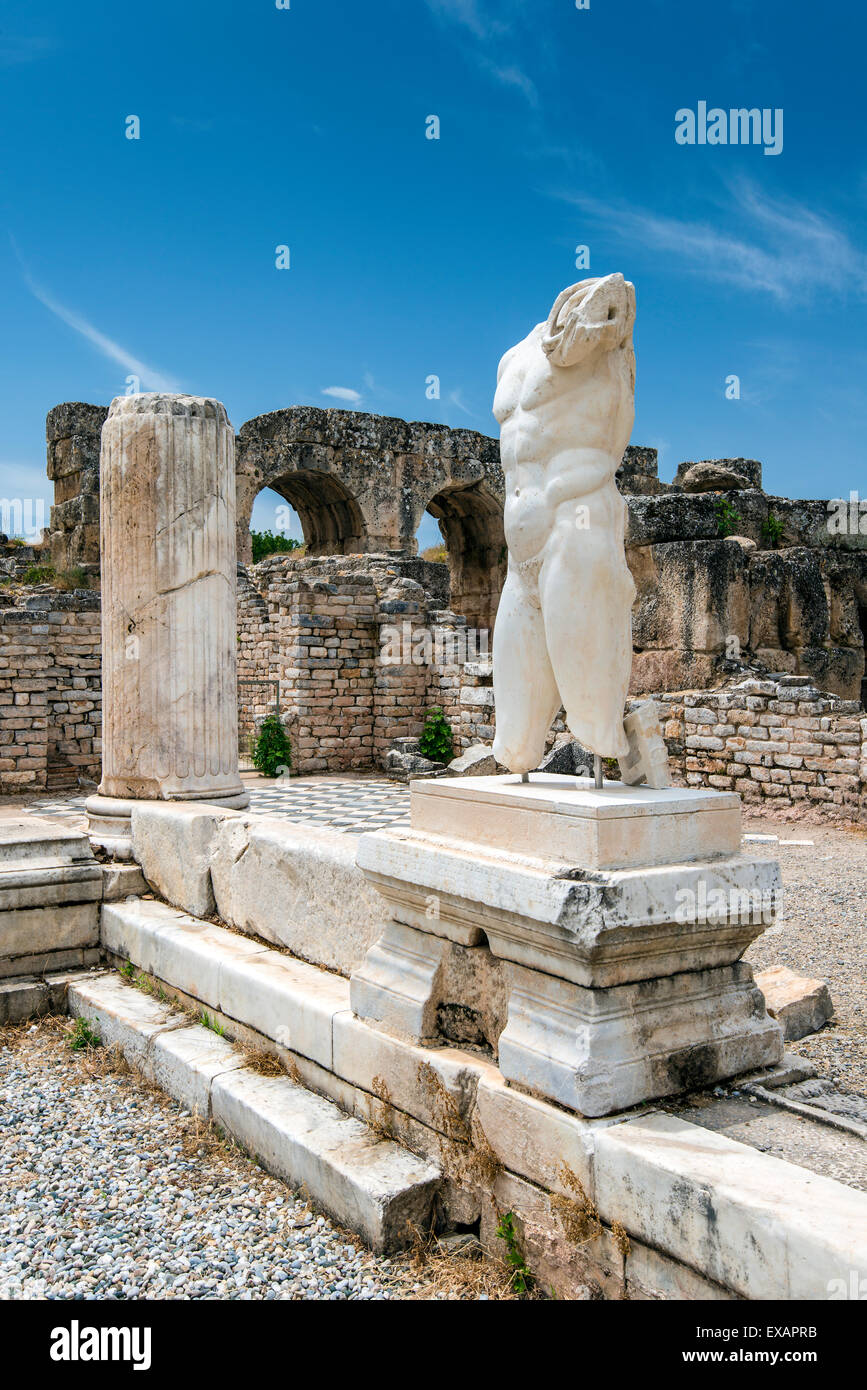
[330, 517]
[274, 520]
[471, 523]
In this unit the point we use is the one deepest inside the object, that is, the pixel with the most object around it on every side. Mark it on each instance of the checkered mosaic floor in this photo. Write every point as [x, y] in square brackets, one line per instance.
[353, 806]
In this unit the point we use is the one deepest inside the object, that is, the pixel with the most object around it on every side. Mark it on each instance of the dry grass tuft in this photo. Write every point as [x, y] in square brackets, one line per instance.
[578, 1216]
[264, 1063]
[462, 1273]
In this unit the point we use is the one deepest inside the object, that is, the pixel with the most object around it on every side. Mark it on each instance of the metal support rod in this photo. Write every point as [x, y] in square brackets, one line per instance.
[597, 771]
[525, 776]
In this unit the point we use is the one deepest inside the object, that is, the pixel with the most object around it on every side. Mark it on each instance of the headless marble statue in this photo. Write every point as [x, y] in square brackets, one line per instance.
[563, 633]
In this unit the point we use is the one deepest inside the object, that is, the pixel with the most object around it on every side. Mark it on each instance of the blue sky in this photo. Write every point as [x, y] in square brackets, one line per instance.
[412, 257]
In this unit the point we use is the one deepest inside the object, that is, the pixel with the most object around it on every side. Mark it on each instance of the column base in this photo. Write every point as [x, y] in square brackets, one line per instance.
[109, 818]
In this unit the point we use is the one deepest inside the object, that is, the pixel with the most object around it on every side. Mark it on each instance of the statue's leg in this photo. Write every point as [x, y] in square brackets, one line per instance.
[525, 691]
[587, 592]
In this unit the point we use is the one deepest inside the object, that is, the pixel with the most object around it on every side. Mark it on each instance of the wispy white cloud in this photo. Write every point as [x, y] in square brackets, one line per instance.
[343, 393]
[776, 245]
[512, 76]
[489, 29]
[149, 377]
[470, 13]
[457, 400]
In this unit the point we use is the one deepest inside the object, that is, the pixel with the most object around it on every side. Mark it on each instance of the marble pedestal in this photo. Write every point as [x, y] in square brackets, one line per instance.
[623, 914]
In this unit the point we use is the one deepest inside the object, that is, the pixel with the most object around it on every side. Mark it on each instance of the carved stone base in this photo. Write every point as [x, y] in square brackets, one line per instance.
[624, 984]
[602, 1050]
[398, 983]
[109, 820]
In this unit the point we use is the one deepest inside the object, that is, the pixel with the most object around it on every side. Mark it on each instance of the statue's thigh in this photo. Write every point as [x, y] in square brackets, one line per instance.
[525, 691]
[586, 593]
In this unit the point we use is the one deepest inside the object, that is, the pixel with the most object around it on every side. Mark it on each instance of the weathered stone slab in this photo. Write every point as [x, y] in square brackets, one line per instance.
[755, 1224]
[287, 1000]
[477, 761]
[122, 1015]
[369, 1184]
[173, 841]
[592, 927]
[295, 885]
[800, 1005]
[186, 1061]
[35, 939]
[44, 864]
[398, 984]
[174, 946]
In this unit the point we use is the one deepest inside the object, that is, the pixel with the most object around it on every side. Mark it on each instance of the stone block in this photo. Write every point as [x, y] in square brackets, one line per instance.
[368, 1184]
[754, 1224]
[297, 886]
[800, 1005]
[618, 827]
[172, 841]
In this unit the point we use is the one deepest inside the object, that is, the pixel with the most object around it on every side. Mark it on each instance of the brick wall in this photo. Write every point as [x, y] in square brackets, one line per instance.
[360, 651]
[779, 740]
[50, 691]
[770, 740]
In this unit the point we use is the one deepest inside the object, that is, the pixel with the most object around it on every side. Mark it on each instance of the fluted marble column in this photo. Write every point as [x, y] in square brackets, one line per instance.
[167, 532]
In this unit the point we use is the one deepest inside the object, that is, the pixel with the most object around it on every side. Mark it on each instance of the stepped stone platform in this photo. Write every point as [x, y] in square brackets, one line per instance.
[643, 1169]
[667, 1199]
[50, 889]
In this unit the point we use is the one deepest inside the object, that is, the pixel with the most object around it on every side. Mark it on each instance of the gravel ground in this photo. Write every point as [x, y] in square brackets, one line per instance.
[110, 1190]
[822, 932]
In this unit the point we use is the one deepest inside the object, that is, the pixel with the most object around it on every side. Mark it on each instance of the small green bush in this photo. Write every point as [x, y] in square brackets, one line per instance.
[772, 530]
[727, 518]
[38, 574]
[83, 1037]
[271, 748]
[265, 543]
[507, 1232]
[437, 740]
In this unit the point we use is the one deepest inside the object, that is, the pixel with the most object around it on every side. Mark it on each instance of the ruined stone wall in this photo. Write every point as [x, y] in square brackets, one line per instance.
[50, 691]
[779, 740]
[361, 650]
[786, 591]
[72, 433]
[706, 605]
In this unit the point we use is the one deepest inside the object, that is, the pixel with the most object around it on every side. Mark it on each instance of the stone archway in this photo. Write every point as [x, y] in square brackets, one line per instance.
[293, 453]
[330, 516]
[471, 520]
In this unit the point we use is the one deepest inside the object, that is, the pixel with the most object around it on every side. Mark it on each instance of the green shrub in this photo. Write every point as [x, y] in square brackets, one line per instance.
[727, 519]
[265, 543]
[38, 574]
[772, 530]
[271, 748]
[83, 1037]
[437, 740]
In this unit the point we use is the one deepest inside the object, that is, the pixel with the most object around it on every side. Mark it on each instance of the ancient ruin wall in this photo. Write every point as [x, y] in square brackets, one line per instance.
[361, 484]
[72, 434]
[50, 691]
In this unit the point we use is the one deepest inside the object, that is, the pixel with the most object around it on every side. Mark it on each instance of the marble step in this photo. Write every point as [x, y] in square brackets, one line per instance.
[369, 1184]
